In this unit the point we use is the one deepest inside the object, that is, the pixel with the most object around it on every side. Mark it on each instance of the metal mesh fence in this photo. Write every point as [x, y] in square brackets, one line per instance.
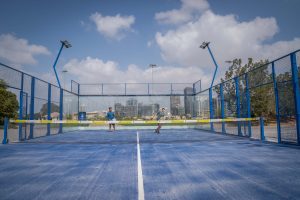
[74, 87]
[10, 77]
[270, 91]
[137, 107]
[135, 89]
[216, 100]
[197, 87]
[286, 101]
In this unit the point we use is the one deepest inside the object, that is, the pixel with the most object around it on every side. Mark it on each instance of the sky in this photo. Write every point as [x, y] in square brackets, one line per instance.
[114, 41]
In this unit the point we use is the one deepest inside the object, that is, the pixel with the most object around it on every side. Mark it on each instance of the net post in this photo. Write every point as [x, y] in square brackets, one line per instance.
[102, 88]
[200, 86]
[238, 112]
[26, 113]
[5, 140]
[61, 98]
[222, 108]
[262, 128]
[49, 109]
[21, 106]
[248, 101]
[125, 85]
[194, 101]
[78, 103]
[211, 109]
[194, 89]
[32, 106]
[276, 103]
[148, 89]
[296, 92]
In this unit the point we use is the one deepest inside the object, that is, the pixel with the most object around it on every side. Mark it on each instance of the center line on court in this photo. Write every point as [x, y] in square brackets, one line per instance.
[140, 171]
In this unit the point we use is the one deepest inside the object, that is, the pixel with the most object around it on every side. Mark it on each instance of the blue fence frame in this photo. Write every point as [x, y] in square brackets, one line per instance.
[292, 66]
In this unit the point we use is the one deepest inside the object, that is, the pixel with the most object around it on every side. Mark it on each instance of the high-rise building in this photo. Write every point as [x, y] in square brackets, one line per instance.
[174, 104]
[130, 111]
[147, 110]
[131, 102]
[119, 110]
[135, 109]
[155, 108]
[131, 108]
[188, 101]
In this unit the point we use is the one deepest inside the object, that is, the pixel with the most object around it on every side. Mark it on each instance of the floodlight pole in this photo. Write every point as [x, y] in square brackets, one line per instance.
[64, 77]
[66, 44]
[152, 66]
[203, 46]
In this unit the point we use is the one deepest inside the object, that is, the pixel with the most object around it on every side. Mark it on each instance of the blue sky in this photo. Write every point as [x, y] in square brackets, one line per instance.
[115, 41]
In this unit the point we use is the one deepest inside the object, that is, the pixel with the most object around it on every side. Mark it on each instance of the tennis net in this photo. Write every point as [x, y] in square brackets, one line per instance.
[96, 131]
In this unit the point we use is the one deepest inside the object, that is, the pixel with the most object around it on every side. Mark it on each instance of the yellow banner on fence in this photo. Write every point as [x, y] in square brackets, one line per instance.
[134, 122]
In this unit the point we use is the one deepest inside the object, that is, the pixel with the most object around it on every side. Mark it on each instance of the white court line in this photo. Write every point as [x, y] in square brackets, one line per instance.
[140, 171]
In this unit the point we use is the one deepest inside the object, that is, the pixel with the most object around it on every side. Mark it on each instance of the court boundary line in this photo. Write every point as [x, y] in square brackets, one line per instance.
[141, 195]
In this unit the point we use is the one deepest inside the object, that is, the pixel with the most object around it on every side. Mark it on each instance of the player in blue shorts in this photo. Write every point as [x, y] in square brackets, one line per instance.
[111, 117]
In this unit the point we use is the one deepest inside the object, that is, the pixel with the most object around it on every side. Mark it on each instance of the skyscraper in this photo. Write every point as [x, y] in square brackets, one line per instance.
[188, 101]
[119, 110]
[131, 108]
[174, 104]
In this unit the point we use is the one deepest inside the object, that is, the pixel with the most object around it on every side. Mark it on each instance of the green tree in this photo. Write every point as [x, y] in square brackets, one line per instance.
[285, 95]
[9, 104]
[260, 82]
[44, 109]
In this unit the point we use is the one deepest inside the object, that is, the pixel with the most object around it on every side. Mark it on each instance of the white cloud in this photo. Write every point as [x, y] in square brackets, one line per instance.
[184, 14]
[229, 37]
[18, 51]
[113, 27]
[94, 70]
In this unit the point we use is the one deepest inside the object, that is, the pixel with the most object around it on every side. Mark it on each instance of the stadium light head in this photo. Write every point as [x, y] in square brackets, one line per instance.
[204, 45]
[64, 71]
[152, 65]
[66, 43]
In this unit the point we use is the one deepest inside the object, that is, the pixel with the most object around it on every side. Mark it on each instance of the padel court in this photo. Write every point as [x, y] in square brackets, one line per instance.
[139, 164]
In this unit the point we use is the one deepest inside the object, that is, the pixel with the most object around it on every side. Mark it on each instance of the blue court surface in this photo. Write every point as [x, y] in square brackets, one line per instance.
[177, 164]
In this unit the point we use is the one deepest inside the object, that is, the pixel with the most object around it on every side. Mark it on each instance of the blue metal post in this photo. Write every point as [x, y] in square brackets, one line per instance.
[262, 128]
[194, 89]
[296, 92]
[49, 109]
[125, 88]
[222, 108]
[276, 103]
[54, 65]
[32, 106]
[26, 113]
[71, 85]
[248, 99]
[238, 110]
[212, 56]
[61, 103]
[194, 100]
[5, 140]
[211, 109]
[78, 103]
[21, 106]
